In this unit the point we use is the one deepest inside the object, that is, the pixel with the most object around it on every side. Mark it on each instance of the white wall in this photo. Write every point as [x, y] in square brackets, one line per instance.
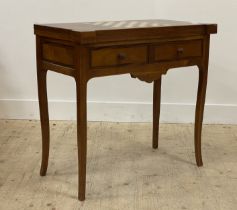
[117, 98]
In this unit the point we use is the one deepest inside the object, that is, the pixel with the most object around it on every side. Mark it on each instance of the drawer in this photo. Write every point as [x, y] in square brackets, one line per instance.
[105, 57]
[58, 53]
[176, 50]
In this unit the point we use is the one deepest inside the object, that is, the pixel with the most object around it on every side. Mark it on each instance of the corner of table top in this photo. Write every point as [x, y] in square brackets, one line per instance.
[212, 28]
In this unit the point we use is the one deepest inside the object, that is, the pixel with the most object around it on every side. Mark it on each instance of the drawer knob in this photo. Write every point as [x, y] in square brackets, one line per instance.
[121, 56]
[180, 50]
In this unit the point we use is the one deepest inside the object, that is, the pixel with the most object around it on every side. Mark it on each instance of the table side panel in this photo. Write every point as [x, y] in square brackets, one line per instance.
[58, 53]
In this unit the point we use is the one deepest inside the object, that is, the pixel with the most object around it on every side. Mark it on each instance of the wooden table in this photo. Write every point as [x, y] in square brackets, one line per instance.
[146, 49]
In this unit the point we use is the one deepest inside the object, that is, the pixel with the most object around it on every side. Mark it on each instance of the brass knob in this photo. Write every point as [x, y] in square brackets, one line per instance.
[180, 50]
[121, 56]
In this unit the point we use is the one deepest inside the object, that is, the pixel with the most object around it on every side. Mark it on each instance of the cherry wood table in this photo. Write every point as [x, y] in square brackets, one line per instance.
[146, 49]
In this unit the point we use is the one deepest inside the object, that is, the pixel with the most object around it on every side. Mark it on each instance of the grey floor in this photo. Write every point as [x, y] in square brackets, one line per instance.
[123, 171]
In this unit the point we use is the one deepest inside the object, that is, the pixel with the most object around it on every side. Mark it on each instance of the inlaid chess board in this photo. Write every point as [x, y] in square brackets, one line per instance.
[110, 25]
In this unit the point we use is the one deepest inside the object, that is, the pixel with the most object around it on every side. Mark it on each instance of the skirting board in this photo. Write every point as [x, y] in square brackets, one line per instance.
[119, 111]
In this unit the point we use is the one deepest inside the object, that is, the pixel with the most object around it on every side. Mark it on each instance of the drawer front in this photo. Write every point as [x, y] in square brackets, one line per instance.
[177, 50]
[58, 53]
[105, 57]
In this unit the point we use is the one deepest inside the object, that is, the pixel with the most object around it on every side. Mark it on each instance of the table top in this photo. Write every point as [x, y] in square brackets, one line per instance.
[111, 25]
[95, 29]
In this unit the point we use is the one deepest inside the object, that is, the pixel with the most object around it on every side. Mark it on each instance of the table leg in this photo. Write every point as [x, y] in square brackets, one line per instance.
[44, 118]
[156, 112]
[81, 137]
[202, 84]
